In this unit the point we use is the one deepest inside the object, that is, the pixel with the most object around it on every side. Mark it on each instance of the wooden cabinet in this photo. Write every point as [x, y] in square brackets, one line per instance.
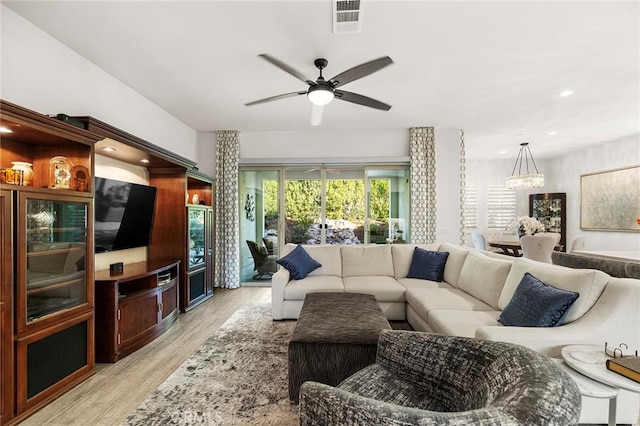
[200, 255]
[186, 234]
[134, 307]
[46, 294]
[178, 181]
[6, 307]
[551, 210]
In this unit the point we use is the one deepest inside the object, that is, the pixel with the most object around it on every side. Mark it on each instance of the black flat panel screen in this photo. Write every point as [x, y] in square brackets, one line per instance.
[124, 214]
[55, 357]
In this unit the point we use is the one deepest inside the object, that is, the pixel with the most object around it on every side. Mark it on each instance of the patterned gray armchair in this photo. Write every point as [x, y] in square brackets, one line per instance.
[430, 379]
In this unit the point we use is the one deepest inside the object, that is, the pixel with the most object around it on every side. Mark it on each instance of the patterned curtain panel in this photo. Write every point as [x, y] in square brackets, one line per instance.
[463, 184]
[422, 154]
[227, 236]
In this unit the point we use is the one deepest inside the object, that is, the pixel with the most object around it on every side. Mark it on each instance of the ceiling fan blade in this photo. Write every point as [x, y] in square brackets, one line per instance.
[316, 114]
[275, 98]
[361, 100]
[360, 71]
[278, 63]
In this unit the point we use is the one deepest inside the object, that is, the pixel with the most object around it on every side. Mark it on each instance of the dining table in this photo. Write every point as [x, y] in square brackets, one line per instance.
[512, 248]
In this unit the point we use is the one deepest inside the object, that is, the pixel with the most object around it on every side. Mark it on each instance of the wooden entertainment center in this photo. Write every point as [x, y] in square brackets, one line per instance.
[57, 315]
[134, 307]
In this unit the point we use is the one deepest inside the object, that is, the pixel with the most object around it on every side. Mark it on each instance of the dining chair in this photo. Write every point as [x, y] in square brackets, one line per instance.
[555, 235]
[479, 241]
[577, 243]
[537, 247]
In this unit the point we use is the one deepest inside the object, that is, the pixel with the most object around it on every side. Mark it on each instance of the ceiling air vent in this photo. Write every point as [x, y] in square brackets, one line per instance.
[347, 16]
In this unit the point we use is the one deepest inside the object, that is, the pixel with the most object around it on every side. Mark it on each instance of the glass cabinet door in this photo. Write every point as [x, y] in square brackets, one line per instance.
[54, 249]
[197, 239]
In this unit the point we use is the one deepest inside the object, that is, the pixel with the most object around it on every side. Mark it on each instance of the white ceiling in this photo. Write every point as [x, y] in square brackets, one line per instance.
[494, 69]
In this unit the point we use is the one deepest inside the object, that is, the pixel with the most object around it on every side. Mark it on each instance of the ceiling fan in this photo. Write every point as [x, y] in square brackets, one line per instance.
[321, 91]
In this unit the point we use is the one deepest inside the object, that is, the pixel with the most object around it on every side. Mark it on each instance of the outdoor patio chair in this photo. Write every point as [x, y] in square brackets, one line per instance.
[263, 262]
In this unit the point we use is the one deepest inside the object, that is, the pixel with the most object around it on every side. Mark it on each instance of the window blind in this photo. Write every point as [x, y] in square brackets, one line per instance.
[501, 207]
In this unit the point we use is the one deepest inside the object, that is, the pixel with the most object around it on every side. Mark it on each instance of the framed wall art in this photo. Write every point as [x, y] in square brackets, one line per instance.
[610, 200]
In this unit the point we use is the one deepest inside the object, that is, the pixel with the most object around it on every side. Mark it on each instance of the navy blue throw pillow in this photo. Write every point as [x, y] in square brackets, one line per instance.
[536, 304]
[427, 264]
[298, 263]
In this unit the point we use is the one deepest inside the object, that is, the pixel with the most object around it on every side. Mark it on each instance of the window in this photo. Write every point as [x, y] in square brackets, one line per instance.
[470, 207]
[501, 207]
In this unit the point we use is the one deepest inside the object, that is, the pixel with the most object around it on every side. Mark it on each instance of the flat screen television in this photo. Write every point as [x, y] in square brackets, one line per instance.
[123, 214]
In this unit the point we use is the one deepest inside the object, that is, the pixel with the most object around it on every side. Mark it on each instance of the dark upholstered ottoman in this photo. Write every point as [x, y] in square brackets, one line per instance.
[336, 335]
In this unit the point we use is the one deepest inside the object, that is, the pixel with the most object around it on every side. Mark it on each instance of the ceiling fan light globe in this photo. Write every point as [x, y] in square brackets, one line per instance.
[320, 95]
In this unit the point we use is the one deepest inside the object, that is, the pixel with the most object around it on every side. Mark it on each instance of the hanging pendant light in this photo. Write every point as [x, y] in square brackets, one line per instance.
[525, 179]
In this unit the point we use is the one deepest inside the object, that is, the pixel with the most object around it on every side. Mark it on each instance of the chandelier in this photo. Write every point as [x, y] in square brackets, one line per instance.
[525, 178]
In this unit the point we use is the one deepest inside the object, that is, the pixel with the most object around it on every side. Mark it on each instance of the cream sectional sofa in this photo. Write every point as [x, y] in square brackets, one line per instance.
[477, 285]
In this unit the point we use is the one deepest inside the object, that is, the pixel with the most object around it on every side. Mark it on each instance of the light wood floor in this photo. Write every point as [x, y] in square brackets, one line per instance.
[115, 390]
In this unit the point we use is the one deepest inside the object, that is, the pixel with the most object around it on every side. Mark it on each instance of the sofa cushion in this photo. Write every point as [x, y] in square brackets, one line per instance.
[297, 290]
[298, 263]
[418, 283]
[461, 323]
[328, 256]
[455, 261]
[586, 282]
[425, 300]
[385, 289]
[358, 261]
[484, 277]
[428, 264]
[535, 304]
[403, 255]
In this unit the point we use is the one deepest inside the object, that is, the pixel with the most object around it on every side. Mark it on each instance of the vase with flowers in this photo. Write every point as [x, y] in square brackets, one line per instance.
[526, 225]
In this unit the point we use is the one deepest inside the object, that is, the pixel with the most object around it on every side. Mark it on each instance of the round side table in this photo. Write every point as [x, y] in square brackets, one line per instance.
[589, 361]
[593, 389]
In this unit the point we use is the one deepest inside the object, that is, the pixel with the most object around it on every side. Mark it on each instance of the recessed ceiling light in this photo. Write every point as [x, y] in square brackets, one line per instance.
[144, 160]
[109, 149]
[552, 133]
[5, 130]
[504, 151]
[565, 93]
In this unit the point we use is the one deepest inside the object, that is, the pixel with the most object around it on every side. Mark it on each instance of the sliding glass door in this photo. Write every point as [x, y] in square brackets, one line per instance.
[324, 206]
[388, 205]
[259, 224]
[319, 205]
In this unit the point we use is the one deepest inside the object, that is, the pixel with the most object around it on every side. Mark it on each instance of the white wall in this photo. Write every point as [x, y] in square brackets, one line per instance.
[562, 174]
[319, 145]
[42, 74]
[207, 153]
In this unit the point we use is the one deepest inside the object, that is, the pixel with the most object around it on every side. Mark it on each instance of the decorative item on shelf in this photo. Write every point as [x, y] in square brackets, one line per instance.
[526, 225]
[80, 179]
[60, 172]
[195, 199]
[250, 207]
[44, 218]
[525, 178]
[11, 176]
[27, 171]
[186, 198]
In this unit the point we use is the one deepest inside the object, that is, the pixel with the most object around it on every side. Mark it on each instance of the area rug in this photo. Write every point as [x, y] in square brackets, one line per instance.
[237, 377]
